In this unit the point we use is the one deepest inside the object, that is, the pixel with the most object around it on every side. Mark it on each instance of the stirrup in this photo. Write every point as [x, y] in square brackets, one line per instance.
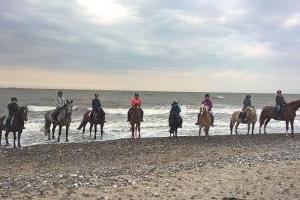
[197, 123]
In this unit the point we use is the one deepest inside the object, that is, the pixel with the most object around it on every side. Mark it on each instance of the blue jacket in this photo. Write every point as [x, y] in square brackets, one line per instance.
[96, 104]
[247, 102]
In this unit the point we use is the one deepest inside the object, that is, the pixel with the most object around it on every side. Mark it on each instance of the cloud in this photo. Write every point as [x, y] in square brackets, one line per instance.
[117, 36]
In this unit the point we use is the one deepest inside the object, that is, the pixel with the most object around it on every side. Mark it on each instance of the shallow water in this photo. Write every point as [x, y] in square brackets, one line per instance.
[116, 103]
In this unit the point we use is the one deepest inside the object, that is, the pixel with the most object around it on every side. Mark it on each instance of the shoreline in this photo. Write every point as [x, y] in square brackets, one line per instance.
[155, 168]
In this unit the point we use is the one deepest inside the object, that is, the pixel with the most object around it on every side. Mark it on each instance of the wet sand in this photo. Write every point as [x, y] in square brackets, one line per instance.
[223, 167]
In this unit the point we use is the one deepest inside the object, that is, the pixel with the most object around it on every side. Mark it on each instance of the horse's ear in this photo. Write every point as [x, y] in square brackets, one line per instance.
[67, 101]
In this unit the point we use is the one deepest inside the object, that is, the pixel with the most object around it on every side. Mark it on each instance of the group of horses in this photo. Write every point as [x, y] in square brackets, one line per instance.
[64, 120]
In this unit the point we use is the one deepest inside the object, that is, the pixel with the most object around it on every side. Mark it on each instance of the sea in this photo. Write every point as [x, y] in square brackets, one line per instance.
[156, 106]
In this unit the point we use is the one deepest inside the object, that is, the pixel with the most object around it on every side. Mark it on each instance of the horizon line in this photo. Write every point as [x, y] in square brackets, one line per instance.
[130, 90]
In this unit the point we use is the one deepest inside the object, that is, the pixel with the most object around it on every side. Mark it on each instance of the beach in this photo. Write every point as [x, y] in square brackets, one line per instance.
[222, 167]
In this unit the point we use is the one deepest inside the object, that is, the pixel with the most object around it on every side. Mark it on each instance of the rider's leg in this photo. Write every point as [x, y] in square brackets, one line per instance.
[212, 119]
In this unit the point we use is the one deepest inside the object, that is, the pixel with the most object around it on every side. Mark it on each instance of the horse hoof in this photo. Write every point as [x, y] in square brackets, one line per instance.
[67, 140]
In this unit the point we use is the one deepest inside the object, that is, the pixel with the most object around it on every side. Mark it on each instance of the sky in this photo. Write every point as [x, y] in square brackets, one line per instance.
[165, 45]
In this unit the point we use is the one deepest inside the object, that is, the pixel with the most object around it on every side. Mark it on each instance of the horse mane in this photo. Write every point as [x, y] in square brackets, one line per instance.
[294, 104]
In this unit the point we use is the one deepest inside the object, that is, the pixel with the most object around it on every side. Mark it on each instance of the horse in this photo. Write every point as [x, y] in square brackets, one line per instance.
[135, 121]
[251, 118]
[17, 125]
[288, 115]
[64, 119]
[174, 123]
[99, 118]
[205, 120]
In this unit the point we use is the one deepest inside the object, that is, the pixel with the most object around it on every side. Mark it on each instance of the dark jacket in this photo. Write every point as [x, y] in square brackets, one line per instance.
[175, 108]
[12, 108]
[280, 100]
[247, 102]
[96, 104]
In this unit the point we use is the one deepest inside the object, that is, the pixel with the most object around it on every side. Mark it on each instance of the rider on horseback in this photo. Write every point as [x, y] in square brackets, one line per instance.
[60, 104]
[208, 103]
[96, 106]
[280, 103]
[13, 108]
[176, 109]
[136, 102]
[247, 104]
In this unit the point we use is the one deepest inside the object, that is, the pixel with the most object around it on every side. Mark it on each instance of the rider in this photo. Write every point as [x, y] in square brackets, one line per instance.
[208, 103]
[96, 105]
[280, 103]
[247, 103]
[176, 109]
[13, 108]
[136, 102]
[60, 103]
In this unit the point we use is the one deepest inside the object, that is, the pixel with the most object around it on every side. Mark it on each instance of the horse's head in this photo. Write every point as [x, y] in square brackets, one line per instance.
[24, 112]
[203, 109]
[250, 112]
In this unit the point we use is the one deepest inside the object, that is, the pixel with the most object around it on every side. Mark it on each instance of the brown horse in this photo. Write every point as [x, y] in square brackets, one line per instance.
[99, 118]
[135, 121]
[251, 118]
[17, 125]
[205, 120]
[288, 115]
[64, 119]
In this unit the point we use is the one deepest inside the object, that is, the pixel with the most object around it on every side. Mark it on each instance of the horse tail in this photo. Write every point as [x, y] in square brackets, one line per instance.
[84, 120]
[263, 115]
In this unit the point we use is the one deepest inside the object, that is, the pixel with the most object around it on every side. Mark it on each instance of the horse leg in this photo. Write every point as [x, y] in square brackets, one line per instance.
[102, 125]
[232, 123]
[15, 137]
[200, 128]
[59, 133]
[19, 138]
[261, 124]
[83, 129]
[292, 127]
[95, 130]
[53, 131]
[0, 136]
[206, 133]
[287, 128]
[91, 129]
[253, 125]
[139, 129]
[248, 128]
[6, 137]
[236, 128]
[266, 124]
[67, 133]
[132, 130]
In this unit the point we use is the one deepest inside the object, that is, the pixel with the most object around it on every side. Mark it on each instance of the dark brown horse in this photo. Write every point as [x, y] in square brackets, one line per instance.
[64, 119]
[174, 123]
[99, 118]
[135, 121]
[288, 115]
[17, 125]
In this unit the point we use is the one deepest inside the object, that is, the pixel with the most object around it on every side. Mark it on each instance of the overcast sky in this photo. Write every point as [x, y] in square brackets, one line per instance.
[184, 45]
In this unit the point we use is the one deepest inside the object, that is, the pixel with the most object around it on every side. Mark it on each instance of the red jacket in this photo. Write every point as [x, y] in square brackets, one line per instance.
[136, 102]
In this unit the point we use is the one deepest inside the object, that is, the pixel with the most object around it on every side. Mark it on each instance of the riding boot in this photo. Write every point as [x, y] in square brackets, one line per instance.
[197, 123]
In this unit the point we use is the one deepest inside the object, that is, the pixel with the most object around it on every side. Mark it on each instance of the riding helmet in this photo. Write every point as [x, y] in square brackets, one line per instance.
[59, 92]
[278, 91]
[248, 96]
[96, 95]
[206, 95]
[136, 94]
[14, 99]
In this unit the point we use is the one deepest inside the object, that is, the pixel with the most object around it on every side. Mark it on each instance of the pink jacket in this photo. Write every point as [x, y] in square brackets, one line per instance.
[136, 102]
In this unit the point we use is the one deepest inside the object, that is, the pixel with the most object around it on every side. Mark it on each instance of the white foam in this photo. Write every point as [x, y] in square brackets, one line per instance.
[40, 108]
